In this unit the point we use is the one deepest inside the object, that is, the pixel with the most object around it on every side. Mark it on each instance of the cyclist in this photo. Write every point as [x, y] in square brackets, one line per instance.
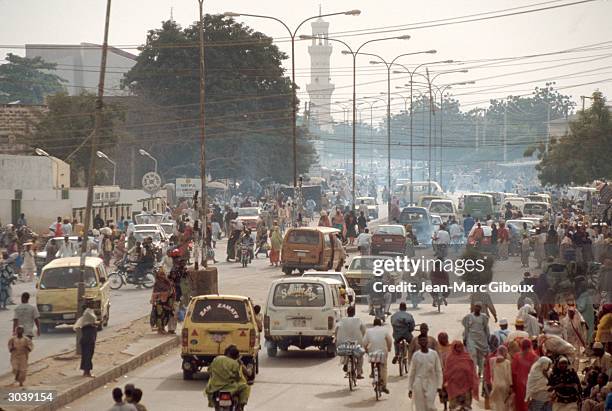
[441, 239]
[403, 325]
[377, 339]
[351, 329]
[440, 278]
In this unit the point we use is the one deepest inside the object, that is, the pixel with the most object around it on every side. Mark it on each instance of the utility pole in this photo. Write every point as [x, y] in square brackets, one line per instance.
[92, 172]
[430, 115]
[547, 125]
[477, 118]
[203, 202]
[505, 131]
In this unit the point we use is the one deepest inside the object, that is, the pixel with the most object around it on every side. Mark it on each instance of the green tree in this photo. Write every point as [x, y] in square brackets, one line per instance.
[64, 131]
[248, 102]
[24, 80]
[584, 154]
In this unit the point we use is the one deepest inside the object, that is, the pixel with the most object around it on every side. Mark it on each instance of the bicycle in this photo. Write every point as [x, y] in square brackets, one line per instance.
[376, 359]
[403, 357]
[347, 350]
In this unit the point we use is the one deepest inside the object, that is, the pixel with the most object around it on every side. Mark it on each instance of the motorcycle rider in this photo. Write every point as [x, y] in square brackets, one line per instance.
[441, 239]
[147, 260]
[403, 325]
[439, 277]
[246, 240]
[226, 373]
[378, 297]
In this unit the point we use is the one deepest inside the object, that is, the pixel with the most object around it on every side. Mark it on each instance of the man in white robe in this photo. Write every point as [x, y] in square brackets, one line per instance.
[424, 377]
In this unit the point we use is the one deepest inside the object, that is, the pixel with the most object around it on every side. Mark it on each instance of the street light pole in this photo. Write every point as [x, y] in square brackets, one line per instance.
[202, 126]
[292, 35]
[146, 154]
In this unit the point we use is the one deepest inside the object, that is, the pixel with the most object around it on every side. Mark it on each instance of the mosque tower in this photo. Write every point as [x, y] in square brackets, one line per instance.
[320, 88]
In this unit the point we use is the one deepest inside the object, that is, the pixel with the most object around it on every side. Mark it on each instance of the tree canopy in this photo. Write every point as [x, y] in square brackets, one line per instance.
[24, 80]
[248, 102]
[584, 154]
[64, 130]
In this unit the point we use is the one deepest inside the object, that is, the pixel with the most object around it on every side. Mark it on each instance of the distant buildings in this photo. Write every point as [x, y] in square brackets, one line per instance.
[16, 123]
[79, 65]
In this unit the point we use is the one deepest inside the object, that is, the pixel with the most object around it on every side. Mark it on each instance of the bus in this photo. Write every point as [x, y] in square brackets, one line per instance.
[478, 205]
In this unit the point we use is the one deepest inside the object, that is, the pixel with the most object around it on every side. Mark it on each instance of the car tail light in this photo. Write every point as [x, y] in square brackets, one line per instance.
[266, 324]
[252, 338]
[330, 323]
[184, 337]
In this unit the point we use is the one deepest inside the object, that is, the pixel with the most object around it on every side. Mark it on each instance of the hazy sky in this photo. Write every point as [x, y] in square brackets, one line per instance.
[75, 21]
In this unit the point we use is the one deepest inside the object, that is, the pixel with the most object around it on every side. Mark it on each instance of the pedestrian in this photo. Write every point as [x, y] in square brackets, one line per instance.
[525, 249]
[364, 242]
[575, 331]
[28, 268]
[460, 377]
[119, 404]
[21, 221]
[378, 340]
[414, 344]
[521, 365]
[25, 316]
[67, 249]
[503, 332]
[476, 334]
[362, 222]
[56, 227]
[424, 377]
[107, 249]
[20, 347]
[351, 329]
[565, 385]
[537, 394]
[276, 242]
[89, 332]
[503, 237]
[137, 396]
[351, 223]
[501, 380]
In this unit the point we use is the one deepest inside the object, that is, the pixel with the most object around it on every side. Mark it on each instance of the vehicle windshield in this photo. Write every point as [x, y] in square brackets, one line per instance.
[141, 235]
[391, 230]
[407, 217]
[303, 237]
[168, 228]
[539, 209]
[477, 200]
[441, 207]
[362, 264]
[66, 277]
[219, 311]
[336, 277]
[368, 201]
[299, 295]
[149, 218]
[248, 212]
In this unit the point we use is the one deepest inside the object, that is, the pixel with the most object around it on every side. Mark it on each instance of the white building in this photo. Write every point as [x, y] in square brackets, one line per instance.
[79, 65]
[320, 88]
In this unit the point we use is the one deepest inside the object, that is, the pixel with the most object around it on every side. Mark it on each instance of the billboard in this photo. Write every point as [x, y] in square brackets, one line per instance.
[186, 187]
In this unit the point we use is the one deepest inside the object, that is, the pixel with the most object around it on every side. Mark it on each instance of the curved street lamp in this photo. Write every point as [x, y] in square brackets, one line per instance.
[146, 154]
[104, 156]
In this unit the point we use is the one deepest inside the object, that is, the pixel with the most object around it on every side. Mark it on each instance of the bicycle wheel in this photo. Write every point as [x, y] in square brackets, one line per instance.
[377, 387]
[351, 372]
[400, 360]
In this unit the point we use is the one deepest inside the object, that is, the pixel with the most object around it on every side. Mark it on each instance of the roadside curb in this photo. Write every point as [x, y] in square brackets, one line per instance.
[78, 391]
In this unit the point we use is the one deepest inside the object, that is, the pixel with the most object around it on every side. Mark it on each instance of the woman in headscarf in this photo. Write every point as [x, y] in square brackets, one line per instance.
[565, 386]
[584, 304]
[460, 377]
[162, 301]
[493, 345]
[537, 394]
[89, 332]
[501, 380]
[119, 250]
[521, 365]
[276, 242]
[444, 349]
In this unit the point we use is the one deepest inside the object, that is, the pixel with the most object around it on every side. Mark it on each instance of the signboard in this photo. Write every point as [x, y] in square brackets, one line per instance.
[186, 187]
[106, 194]
[151, 182]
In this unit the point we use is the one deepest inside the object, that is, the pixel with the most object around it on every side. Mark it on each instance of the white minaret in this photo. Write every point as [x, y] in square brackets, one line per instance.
[320, 88]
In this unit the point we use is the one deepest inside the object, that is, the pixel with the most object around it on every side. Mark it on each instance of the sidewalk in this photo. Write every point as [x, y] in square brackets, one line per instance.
[130, 347]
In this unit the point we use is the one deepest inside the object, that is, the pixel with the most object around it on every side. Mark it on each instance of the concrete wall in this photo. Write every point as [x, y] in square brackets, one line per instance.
[16, 122]
[33, 173]
[41, 207]
[79, 65]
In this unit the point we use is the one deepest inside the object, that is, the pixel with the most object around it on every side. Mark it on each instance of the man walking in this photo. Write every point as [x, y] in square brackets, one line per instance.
[26, 315]
[424, 377]
[476, 335]
[377, 339]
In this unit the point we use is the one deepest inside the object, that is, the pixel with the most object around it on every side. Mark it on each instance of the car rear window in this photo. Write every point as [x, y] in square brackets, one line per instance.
[299, 295]
[303, 237]
[219, 311]
[441, 207]
[66, 277]
[389, 230]
[534, 209]
[362, 264]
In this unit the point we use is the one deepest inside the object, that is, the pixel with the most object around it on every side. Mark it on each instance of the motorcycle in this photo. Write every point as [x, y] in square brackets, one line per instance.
[224, 401]
[126, 274]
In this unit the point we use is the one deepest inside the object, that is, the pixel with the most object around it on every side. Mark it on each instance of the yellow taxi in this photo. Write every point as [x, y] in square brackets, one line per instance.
[56, 297]
[214, 322]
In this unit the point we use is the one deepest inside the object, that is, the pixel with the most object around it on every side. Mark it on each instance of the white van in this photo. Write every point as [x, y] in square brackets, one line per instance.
[516, 202]
[446, 209]
[303, 312]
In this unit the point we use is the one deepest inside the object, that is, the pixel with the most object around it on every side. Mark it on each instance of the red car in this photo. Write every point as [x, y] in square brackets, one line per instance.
[389, 239]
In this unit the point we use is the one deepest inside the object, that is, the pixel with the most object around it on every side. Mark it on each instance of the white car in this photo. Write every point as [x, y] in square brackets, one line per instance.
[334, 275]
[444, 208]
[535, 209]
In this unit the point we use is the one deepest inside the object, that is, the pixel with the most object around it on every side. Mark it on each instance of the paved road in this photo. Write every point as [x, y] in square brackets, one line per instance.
[305, 379]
